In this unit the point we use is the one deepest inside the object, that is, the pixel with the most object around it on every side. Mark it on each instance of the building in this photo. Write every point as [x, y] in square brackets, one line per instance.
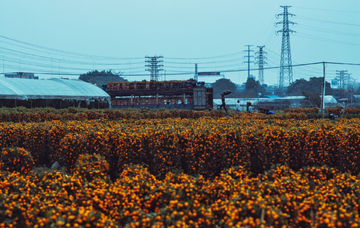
[188, 94]
[294, 101]
[21, 75]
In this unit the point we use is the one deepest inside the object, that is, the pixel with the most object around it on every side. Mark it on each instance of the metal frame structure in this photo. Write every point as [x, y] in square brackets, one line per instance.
[261, 63]
[285, 62]
[154, 67]
[167, 94]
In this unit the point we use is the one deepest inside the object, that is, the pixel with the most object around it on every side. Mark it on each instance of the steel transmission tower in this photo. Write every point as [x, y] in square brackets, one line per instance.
[285, 62]
[154, 66]
[260, 61]
[248, 56]
[342, 77]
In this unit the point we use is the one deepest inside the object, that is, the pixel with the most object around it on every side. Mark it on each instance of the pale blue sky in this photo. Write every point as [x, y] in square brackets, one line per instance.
[73, 37]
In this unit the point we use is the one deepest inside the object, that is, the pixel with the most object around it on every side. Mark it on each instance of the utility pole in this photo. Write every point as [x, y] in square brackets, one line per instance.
[341, 76]
[349, 83]
[154, 66]
[196, 72]
[323, 92]
[260, 61]
[285, 62]
[248, 56]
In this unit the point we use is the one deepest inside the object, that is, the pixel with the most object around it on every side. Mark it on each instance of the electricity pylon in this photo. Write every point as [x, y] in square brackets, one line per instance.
[260, 61]
[342, 77]
[285, 62]
[248, 56]
[154, 66]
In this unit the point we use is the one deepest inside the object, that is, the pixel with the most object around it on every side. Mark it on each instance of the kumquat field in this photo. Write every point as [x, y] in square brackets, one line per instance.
[178, 168]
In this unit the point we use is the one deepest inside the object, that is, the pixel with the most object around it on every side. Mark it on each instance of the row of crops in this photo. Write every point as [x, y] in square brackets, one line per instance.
[178, 169]
[311, 197]
[22, 114]
[195, 146]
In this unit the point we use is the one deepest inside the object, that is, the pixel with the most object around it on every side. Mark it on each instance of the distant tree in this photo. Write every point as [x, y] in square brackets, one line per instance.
[252, 86]
[338, 93]
[280, 92]
[222, 85]
[102, 77]
[311, 99]
[314, 85]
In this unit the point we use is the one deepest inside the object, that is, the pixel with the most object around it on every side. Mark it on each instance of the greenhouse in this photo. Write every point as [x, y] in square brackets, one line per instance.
[55, 92]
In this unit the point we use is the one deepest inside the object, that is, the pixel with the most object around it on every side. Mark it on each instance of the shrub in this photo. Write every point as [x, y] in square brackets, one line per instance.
[91, 167]
[72, 145]
[16, 159]
[314, 115]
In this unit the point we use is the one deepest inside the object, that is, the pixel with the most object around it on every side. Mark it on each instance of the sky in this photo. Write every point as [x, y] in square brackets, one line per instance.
[67, 38]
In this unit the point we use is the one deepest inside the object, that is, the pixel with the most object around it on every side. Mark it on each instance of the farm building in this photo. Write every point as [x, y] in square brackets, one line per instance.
[293, 101]
[231, 102]
[188, 94]
[58, 93]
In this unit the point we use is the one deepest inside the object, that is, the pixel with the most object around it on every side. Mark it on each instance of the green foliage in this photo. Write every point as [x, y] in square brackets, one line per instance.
[296, 87]
[222, 85]
[16, 159]
[312, 98]
[254, 86]
[280, 92]
[314, 85]
[102, 77]
[314, 116]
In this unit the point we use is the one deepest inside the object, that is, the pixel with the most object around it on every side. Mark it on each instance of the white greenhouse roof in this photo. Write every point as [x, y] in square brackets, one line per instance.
[55, 88]
[330, 99]
[254, 101]
[243, 101]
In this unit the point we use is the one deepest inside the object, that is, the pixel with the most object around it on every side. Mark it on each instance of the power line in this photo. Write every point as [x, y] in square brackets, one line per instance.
[327, 30]
[325, 21]
[65, 52]
[40, 62]
[24, 55]
[220, 56]
[209, 62]
[227, 71]
[326, 40]
[339, 11]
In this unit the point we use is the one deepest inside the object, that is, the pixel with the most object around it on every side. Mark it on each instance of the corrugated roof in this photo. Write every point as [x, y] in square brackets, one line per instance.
[55, 88]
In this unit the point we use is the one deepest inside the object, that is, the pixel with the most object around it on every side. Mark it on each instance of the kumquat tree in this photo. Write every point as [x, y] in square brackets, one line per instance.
[178, 168]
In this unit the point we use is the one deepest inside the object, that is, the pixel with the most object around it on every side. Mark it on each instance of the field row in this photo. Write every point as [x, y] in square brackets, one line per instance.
[22, 114]
[311, 197]
[203, 146]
